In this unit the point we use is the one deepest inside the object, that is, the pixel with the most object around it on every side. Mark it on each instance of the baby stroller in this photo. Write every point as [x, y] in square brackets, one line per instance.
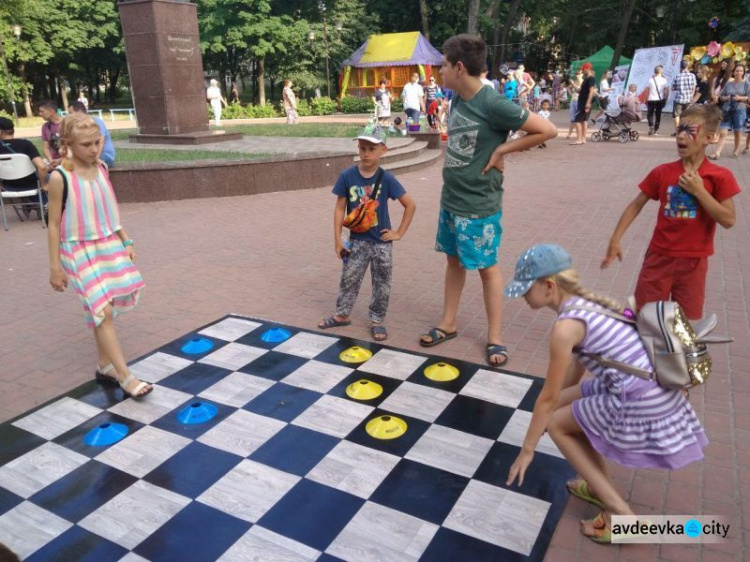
[618, 117]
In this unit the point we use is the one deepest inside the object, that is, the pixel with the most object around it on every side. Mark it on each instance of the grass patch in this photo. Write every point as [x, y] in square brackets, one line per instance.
[141, 155]
[320, 130]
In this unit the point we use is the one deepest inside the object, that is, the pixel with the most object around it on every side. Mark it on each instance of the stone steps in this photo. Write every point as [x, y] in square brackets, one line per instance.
[424, 159]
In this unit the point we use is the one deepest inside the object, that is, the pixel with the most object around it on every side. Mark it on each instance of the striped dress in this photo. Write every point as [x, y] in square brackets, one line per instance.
[92, 255]
[627, 419]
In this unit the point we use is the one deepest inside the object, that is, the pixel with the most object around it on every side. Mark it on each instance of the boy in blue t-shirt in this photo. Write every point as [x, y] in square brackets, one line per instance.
[354, 186]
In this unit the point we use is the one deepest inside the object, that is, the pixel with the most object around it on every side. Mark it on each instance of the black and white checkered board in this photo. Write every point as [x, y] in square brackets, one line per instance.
[285, 471]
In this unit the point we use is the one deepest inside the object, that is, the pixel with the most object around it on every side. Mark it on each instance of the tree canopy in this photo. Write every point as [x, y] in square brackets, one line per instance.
[69, 45]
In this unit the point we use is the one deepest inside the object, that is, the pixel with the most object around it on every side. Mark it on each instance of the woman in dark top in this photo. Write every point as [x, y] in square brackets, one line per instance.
[702, 89]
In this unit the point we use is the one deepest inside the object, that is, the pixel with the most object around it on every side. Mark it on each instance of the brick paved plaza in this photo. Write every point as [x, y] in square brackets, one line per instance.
[271, 256]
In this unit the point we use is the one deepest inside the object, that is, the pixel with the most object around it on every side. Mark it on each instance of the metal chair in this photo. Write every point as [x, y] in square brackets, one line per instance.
[16, 167]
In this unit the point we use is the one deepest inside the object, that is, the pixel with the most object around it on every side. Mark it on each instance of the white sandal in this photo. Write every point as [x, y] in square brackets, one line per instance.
[106, 374]
[136, 394]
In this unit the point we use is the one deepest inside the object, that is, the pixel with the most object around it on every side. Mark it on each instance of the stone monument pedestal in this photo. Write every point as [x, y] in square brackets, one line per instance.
[166, 72]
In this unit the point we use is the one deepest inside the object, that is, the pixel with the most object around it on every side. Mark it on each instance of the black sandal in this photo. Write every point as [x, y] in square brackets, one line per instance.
[496, 349]
[378, 330]
[331, 322]
[438, 336]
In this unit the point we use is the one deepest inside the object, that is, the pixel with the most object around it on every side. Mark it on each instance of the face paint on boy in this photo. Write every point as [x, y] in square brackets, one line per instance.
[691, 130]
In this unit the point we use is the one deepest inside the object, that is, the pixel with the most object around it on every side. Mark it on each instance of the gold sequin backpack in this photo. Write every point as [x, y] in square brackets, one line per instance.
[677, 349]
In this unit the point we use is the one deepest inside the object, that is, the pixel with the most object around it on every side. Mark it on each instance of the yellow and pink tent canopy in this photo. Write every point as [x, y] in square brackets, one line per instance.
[381, 53]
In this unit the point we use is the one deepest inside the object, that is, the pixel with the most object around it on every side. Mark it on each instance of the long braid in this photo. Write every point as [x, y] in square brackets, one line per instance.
[568, 281]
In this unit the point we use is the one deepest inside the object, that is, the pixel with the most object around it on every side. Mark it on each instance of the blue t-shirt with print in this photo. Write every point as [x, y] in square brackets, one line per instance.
[352, 185]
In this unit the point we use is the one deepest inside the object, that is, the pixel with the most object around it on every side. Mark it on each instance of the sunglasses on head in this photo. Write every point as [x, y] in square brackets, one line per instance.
[691, 130]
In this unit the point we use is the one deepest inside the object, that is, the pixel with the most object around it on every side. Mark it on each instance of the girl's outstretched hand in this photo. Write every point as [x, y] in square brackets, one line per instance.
[519, 467]
[58, 280]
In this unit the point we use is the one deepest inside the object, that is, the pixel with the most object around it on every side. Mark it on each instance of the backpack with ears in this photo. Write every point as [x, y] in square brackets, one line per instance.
[678, 350]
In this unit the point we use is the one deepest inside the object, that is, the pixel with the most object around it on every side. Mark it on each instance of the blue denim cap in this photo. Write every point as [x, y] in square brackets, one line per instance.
[535, 263]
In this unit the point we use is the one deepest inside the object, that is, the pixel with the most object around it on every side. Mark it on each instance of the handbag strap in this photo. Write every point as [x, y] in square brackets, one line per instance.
[658, 92]
[604, 361]
[604, 311]
[376, 189]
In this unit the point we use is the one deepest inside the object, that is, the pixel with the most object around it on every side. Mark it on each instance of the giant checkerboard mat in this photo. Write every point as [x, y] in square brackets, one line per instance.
[285, 470]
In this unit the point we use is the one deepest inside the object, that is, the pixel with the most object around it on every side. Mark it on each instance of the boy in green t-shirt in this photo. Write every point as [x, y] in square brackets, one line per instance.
[471, 205]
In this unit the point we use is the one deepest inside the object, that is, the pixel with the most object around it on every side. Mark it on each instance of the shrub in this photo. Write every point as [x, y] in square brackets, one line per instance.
[397, 105]
[234, 111]
[259, 111]
[323, 106]
[356, 105]
[304, 109]
[5, 114]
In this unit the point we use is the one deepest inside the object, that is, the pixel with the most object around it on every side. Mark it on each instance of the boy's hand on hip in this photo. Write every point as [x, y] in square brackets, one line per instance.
[390, 235]
[496, 161]
[691, 182]
[613, 251]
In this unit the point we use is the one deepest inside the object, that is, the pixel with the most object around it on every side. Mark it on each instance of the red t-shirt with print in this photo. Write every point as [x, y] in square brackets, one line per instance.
[683, 227]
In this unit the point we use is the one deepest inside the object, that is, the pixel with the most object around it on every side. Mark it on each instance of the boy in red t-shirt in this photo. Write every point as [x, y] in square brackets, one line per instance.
[693, 196]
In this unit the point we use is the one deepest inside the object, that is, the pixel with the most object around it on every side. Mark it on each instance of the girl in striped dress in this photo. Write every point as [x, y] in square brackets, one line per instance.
[89, 248]
[617, 416]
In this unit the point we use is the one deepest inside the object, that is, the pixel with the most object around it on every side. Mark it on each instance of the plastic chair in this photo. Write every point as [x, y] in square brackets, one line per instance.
[16, 167]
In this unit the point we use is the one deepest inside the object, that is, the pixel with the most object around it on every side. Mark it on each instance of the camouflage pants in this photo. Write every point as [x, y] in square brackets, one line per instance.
[379, 257]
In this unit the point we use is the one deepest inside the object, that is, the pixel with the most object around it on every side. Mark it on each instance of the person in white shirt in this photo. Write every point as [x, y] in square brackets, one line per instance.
[604, 90]
[413, 96]
[213, 95]
[658, 92]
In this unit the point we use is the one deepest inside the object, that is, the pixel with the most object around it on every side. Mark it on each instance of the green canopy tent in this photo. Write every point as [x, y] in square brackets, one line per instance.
[600, 61]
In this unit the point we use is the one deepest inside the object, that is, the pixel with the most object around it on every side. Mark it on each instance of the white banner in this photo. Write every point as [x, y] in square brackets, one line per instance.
[619, 78]
[644, 62]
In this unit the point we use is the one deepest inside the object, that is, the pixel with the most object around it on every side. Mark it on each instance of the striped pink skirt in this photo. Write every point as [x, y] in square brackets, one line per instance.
[101, 273]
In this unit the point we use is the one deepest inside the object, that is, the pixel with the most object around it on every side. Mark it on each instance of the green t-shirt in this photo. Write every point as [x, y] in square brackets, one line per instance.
[475, 129]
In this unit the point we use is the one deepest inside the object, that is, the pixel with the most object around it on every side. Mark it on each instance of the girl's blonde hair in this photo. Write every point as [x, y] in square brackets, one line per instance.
[567, 280]
[70, 127]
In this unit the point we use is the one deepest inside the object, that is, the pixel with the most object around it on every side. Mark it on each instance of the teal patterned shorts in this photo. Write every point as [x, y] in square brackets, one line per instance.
[475, 241]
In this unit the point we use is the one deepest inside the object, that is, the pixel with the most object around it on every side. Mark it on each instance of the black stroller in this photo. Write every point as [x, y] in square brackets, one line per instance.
[616, 126]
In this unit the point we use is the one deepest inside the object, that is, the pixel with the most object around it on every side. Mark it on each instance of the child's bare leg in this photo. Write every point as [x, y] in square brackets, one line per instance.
[106, 338]
[492, 287]
[572, 442]
[455, 278]
[103, 357]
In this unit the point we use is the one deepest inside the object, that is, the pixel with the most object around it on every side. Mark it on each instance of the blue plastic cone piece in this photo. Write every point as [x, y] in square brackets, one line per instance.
[197, 346]
[106, 434]
[197, 412]
[275, 335]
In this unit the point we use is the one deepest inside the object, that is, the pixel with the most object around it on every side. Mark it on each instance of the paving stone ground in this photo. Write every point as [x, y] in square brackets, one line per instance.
[272, 256]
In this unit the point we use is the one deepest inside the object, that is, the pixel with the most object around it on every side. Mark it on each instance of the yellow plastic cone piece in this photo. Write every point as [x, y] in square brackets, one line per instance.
[355, 355]
[364, 390]
[386, 427]
[441, 372]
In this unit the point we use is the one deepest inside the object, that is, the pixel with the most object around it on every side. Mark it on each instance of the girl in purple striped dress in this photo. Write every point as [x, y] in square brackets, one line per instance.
[89, 248]
[616, 416]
